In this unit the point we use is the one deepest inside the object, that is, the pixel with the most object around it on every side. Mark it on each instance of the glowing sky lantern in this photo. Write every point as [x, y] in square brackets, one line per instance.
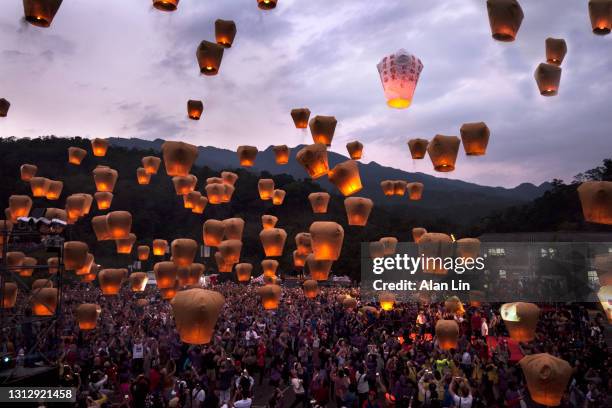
[389, 245]
[39, 186]
[4, 107]
[142, 176]
[547, 377]
[243, 272]
[99, 147]
[322, 129]
[55, 190]
[475, 138]
[386, 300]
[447, 332]
[87, 315]
[266, 4]
[345, 176]
[273, 241]
[278, 196]
[556, 48]
[399, 74]
[270, 296]
[76, 155]
[28, 171]
[124, 245]
[194, 109]
[358, 210]
[311, 288]
[415, 190]
[247, 155]
[105, 178]
[269, 267]
[266, 188]
[443, 152]
[40, 13]
[165, 274]
[160, 246]
[418, 148]
[521, 320]
[355, 149]
[20, 205]
[195, 314]
[600, 12]
[300, 117]
[151, 164]
[281, 154]
[268, 221]
[209, 56]
[178, 157]
[327, 238]
[212, 232]
[166, 5]
[319, 202]
[314, 159]
[596, 200]
[505, 18]
[225, 32]
[44, 302]
[9, 297]
[399, 187]
[548, 77]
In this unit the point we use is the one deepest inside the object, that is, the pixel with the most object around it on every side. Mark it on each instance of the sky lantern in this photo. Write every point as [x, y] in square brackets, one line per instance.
[199, 205]
[300, 117]
[20, 206]
[233, 228]
[454, 305]
[54, 191]
[547, 78]
[243, 272]
[228, 177]
[322, 129]
[91, 276]
[87, 201]
[319, 270]
[299, 260]
[105, 178]
[165, 274]
[191, 198]
[349, 303]
[143, 252]
[194, 109]
[215, 193]
[303, 243]
[443, 152]
[418, 148]
[505, 18]
[124, 245]
[345, 176]
[447, 332]
[166, 5]
[355, 149]
[230, 250]
[225, 32]
[266, 4]
[389, 245]
[183, 251]
[310, 288]
[209, 56]
[178, 157]
[151, 164]
[212, 232]
[44, 302]
[222, 266]
[269, 267]
[521, 320]
[75, 204]
[475, 138]
[468, 248]
[388, 187]
[399, 187]
[547, 377]
[228, 192]
[247, 155]
[415, 190]
[56, 213]
[100, 228]
[596, 201]
[75, 255]
[266, 188]
[268, 221]
[600, 12]
[327, 238]
[556, 48]
[160, 246]
[84, 270]
[142, 176]
[4, 107]
[278, 196]
[386, 300]
[319, 202]
[273, 241]
[110, 280]
[99, 147]
[169, 293]
[314, 160]
[190, 275]
[376, 249]
[184, 184]
[28, 264]
[399, 74]
[281, 154]
[40, 13]
[76, 155]
[435, 245]
[119, 224]
[9, 297]
[87, 315]
[270, 296]
[39, 186]
[358, 210]
[28, 171]
[195, 314]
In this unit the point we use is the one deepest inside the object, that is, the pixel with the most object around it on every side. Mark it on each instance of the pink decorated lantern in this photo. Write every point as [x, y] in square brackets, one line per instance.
[399, 74]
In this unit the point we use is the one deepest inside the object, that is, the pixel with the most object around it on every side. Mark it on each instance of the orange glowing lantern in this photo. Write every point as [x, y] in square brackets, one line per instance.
[355, 149]
[230, 250]
[110, 280]
[596, 201]
[215, 193]
[229, 178]
[436, 247]
[388, 187]
[87, 315]
[327, 238]
[19, 206]
[56, 214]
[475, 138]
[299, 260]
[166, 5]
[4, 107]
[199, 205]
[443, 152]
[87, 201]
[142, 176]
[547, 378]
[184, 184]
[300, 117]
[190, 276]
[505, 18]
[266, 188]
[54, 191]
[600, 12]
[209, 56]
[151, 164]
[399, 74]
[86, 268]
[447, 332]
[278, 196]
[319, 202]
[40, 13]
[119, 224]
[225, 32]
[270, 296]
[281, 154]
[183, 251]
[358, 210]
[468, 248]
[195, 314]
[269, 267]
[521, 320]
[314, 159]
[169, 293]
[165, 274]
[143, 252]
[266, 4]
[100, 228]
[322, 129]
[99, 147]
[247, 155]
[194, 109]
[547, 78]
[399, 187]
[178, 158]
[222, 266]
[311, 288]
[160, 246]
[105, 178]
[303, 243]
[28, 171]
[191, 198]
[454, 305]
[418, 148]
[44, 302]
[345, 176]
[376, 249]
[76, 155]
[39, 186]
[233, 228]
[556, 48]
[75, 255]
[273, 241]
[268, 221]
[243, 272]
[9, 298]
[386, 300]
[228, 191]
[389, 245]
[415, 190]
[124, 245]
[417, 233]
[212, 232]
[27, 266]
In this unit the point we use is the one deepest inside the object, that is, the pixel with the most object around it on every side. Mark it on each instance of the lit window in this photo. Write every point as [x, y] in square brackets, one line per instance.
[502, 274]
[592, 276]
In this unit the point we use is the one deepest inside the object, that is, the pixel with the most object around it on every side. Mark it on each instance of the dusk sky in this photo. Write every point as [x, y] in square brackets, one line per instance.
[118, 68]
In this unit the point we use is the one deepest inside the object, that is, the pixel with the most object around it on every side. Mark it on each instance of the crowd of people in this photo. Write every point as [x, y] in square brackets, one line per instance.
[315, 353]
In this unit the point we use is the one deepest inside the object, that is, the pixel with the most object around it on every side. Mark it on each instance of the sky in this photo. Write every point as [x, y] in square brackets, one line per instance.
[119, 68]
